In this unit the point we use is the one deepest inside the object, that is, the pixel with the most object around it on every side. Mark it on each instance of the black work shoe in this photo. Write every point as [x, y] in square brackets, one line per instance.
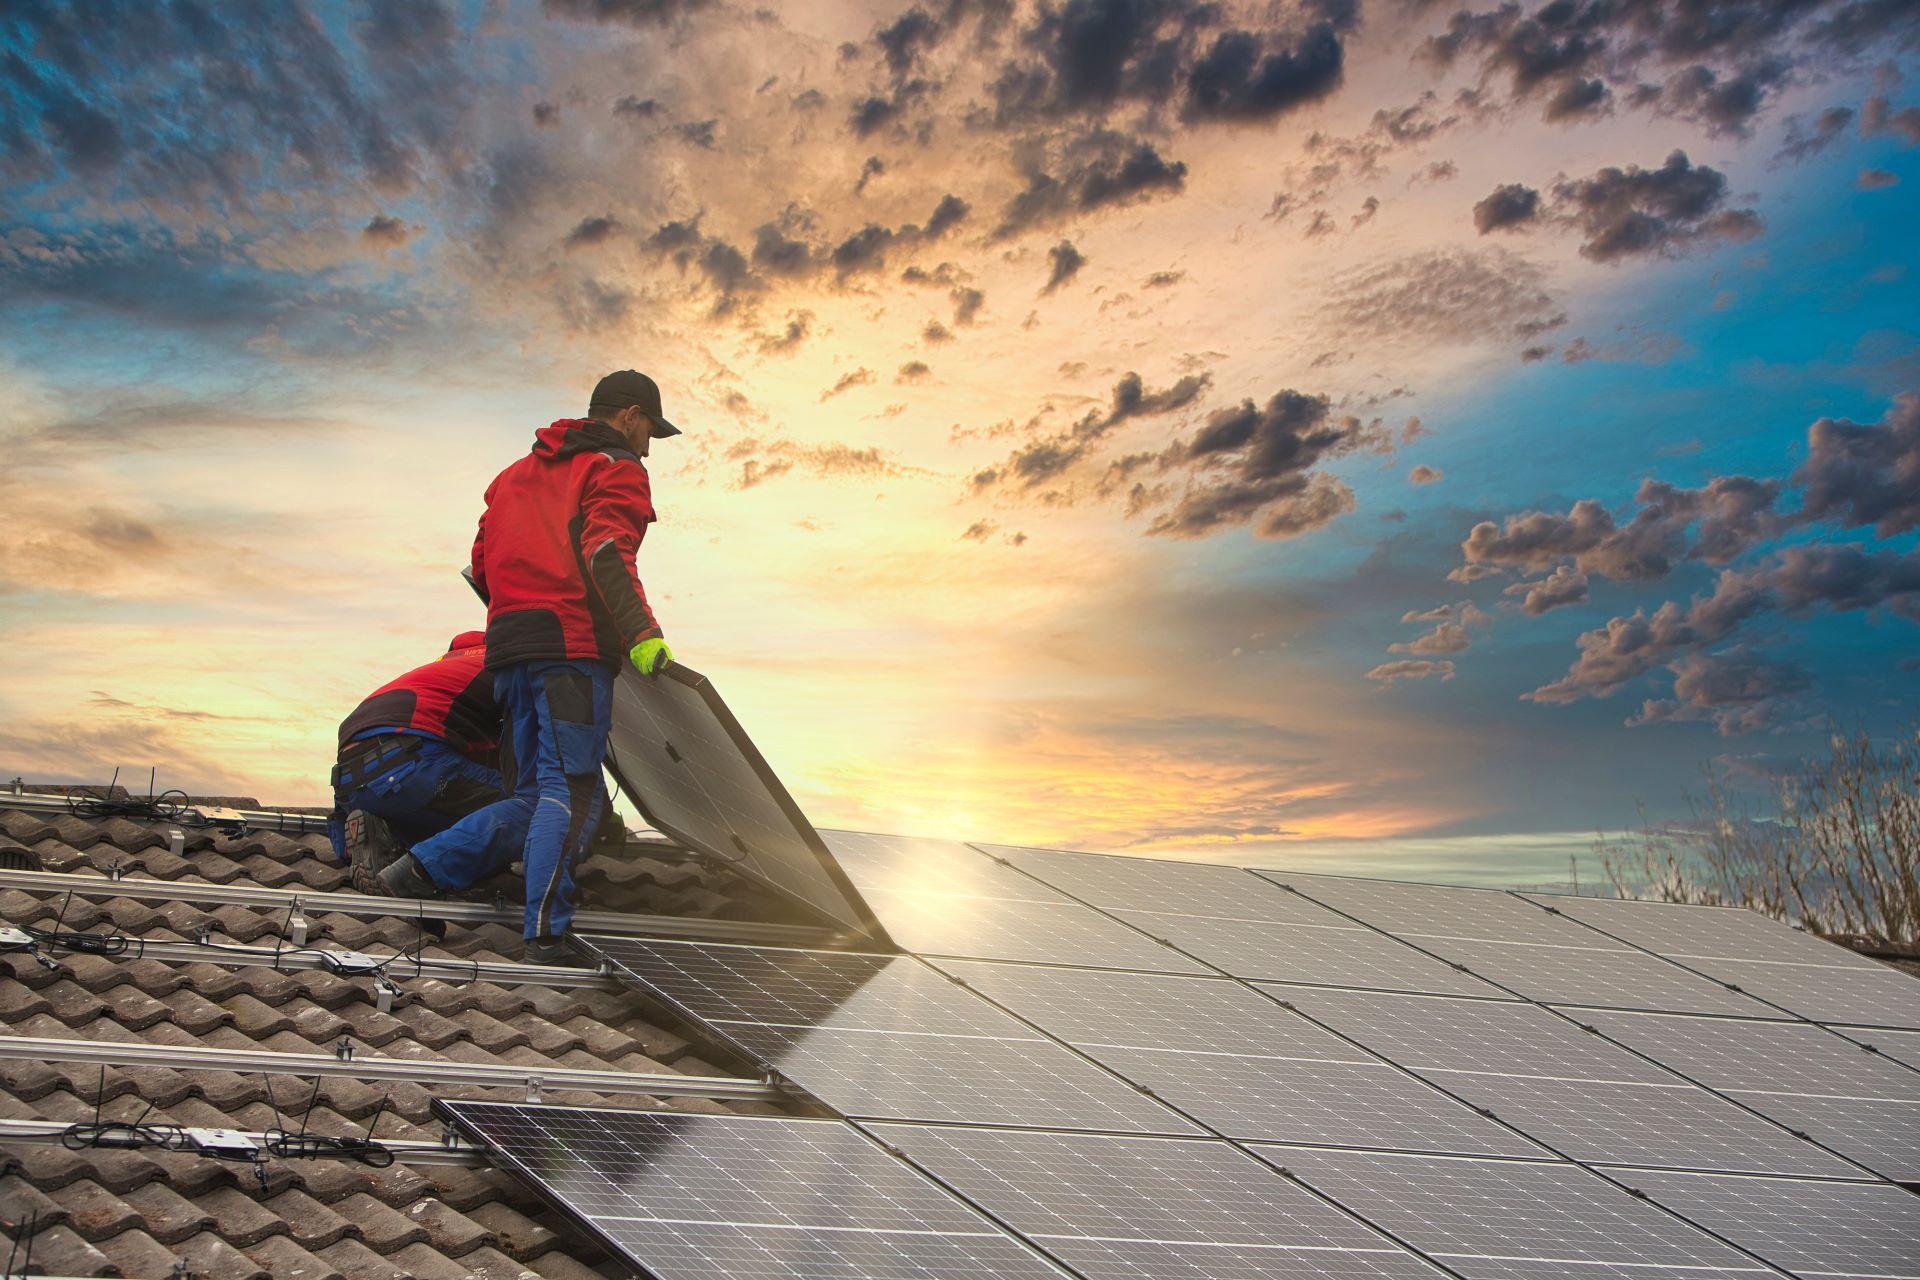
[547, 950]
[371, 848]
[404, 877]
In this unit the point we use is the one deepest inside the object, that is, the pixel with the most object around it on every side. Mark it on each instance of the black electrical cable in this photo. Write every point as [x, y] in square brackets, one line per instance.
[311, 1146]
[130, 1135]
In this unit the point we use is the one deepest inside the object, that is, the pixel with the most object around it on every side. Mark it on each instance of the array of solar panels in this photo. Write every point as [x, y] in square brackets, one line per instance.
[1122, 1068]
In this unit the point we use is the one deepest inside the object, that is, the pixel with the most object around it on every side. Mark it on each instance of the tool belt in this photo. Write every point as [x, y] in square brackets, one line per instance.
[364, 759]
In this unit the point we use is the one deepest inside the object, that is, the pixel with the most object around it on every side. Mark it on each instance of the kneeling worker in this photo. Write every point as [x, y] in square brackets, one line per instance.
[419, 754]
[554, 560]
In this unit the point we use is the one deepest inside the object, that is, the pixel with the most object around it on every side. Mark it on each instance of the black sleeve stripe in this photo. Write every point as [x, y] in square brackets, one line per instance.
[614, 582]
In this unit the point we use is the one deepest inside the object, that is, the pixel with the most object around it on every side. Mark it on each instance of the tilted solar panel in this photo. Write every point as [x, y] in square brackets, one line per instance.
[1805, 1077]
[1117, 1208]
[1584, 1097]
[882, 1036]
[744, 1197]
[942, 897]
[1237, 1062]
[688, 766]
[1514, 1220]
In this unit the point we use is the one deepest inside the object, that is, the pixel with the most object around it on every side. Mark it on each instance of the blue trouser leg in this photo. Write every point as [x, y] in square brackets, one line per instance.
[433, 789]
[486, 841]
[570, 705]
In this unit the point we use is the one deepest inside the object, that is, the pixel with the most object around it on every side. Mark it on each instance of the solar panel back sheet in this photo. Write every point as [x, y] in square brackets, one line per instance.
[688, 766]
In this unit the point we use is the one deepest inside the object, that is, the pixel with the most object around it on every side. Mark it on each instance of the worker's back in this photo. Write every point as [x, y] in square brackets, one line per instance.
[573, 508]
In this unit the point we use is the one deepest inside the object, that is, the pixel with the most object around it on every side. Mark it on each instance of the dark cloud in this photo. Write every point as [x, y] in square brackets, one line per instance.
[1163, 279]
[978, 531]
[1564, 586]
[1051, 456]
[1102, 170]
[1245, 77]
[384, 231]
[1738, 691]
[638, 108]
[1063, 264]
[1876, 180]
[1577, 99]
[1856, 475]
[848, 381]
[934, 333]
[948, 214]
[799, 325]
[870, 169]
[762, 460]
[698, 133]
[631, 13]
[1634, 212]
[777, 254]
[1411, 669]
[1509, 206]
[592, 232]
[546, 115]
[913, 371]
[966, 305]
[1424, 474]
[1878, 116]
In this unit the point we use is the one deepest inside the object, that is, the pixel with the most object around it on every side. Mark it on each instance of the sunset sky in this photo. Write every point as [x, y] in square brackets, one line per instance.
[1387, 434]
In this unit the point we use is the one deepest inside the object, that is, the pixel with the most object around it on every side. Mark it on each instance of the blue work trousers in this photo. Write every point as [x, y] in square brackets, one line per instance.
[418, 784]
[555, 717]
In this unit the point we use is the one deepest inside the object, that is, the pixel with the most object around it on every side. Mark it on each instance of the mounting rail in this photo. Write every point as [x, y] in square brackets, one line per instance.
[284, 821]
[354, 964]
[410, 1151]
[361, 904]
[492, 1075]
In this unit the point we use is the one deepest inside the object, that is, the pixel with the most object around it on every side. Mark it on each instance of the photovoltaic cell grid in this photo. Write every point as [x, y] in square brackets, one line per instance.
[693, 773]
[1806, 975]
[748, 1198]
[883, 1037]
[1584, 1097]
[1849, 1099]
[1869, 1230]
[1151, 1208]
[1232, 920]
[1522, 948]
[942, 897]
[1239, 1063]
[1513, 1220]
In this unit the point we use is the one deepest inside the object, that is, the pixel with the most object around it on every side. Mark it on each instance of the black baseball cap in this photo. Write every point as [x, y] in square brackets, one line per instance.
[624, 387]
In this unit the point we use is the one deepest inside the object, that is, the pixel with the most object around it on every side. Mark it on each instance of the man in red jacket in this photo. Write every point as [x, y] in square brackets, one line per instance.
[554, 560]
[420, 753]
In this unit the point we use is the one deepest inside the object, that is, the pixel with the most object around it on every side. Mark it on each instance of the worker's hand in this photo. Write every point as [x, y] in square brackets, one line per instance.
[650, 655]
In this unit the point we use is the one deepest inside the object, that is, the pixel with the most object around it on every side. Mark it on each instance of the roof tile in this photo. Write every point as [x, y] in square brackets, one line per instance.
[448, 1230]
[242, 1219]
[209, 1255]
[286, 1260]
[514, 1232]
[135, 1253]
[385, 1229]
[59, 1251]
[311, 1223]
[169, 1216]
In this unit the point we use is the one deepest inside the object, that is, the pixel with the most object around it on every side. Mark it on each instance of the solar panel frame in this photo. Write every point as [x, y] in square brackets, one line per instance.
[1406, 907]
[1879, 996]
[906, 1043]
[1512, 1219]
[1116, 881]
[1152, 1208]
[655, 774]
[1864, 1230]
[876, 1214]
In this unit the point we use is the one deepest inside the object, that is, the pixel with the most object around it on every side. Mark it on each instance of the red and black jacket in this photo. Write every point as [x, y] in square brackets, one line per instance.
[554, 557]
[451, 699]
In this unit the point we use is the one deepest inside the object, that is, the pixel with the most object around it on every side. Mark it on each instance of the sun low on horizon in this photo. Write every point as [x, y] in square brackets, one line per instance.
[1379, 433]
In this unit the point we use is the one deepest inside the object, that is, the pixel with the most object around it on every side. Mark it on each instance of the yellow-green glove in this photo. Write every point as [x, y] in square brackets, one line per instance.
[650, 655]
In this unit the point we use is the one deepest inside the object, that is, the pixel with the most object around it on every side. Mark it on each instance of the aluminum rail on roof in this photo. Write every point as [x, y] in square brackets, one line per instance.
[505, 1075]
[280, 820]
[361, 904]
[405, 1150]
[357, 964]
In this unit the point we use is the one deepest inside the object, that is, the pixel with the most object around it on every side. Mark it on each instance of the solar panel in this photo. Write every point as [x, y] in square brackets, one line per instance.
[1774, 962]
[1155, 884]
[1901, 1046]
[1573, 1091]
[1521, 947]
[882, 1036]
[1337, 955]
[1513, 1220]
[688, 766]
[744, 1197]
[942, 897]
[1237, 1062]
[1152, 1208]
[1840, 1229]
[1807, 1078]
